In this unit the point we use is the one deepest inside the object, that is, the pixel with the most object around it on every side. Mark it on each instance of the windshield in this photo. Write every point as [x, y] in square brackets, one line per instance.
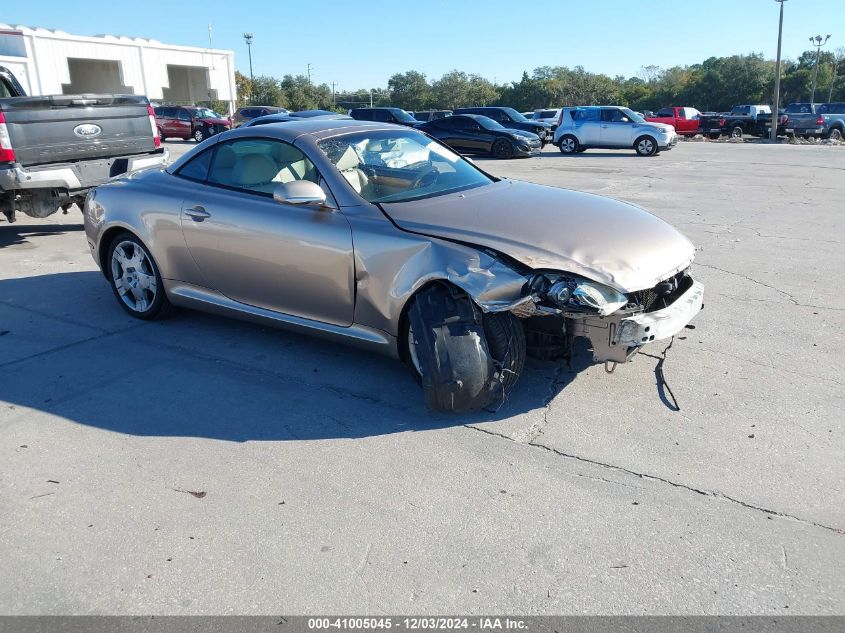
[516, 116]
[388, 166]
[403, 116]
[205, 113]
[489, 124]
[636, 118]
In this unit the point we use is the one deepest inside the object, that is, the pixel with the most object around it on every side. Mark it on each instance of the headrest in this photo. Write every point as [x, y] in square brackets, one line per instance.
[349, 160]
[287, 154]
[254, 169]
[226, 157]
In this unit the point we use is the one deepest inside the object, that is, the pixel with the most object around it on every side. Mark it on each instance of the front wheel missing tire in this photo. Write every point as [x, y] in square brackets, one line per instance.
[464, 359]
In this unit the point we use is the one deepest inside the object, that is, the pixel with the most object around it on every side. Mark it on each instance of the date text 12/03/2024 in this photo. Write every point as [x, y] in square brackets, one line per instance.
[417, 623]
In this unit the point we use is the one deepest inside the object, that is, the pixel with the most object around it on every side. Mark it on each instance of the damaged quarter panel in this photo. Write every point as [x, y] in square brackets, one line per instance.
[599, 238]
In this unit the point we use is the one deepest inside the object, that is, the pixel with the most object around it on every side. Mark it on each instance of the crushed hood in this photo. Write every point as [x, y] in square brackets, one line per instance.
[599, 238]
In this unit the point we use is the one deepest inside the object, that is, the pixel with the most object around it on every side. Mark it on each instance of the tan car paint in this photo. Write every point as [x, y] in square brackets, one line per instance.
[345, 270]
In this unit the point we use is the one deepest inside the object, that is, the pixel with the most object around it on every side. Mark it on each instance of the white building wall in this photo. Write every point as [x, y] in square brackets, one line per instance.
[143, 63]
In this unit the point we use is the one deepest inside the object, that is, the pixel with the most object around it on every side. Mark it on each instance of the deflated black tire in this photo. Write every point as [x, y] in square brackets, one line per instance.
[464, 359]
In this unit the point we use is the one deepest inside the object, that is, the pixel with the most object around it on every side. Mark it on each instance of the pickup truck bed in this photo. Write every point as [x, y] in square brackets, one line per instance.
[53, 149]
[827, 122]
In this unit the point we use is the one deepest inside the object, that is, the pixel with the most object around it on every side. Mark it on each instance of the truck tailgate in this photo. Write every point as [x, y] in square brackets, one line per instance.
[68, 128]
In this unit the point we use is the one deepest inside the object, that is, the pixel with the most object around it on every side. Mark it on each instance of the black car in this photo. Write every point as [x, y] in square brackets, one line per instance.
[476, 134]
[512, 119]
[253, 112]
[384, 115]
[296, 116]
[430, 115]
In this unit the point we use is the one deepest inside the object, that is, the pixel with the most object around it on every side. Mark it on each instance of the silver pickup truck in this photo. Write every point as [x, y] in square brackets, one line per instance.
[828, 121]
[54, 149]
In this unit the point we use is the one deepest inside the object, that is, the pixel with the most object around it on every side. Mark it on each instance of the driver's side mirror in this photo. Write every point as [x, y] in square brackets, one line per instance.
[300, 193]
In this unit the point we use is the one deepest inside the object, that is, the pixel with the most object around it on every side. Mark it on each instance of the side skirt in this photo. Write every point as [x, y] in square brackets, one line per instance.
[205, 300]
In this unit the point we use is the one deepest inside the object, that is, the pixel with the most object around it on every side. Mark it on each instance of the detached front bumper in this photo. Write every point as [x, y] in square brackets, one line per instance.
[616, 338]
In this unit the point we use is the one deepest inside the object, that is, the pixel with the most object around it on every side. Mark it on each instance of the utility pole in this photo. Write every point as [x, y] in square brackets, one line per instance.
[308, 70]
[333, 85]
[248, 40]
[773, 133]
[371, 97]
[818, 42]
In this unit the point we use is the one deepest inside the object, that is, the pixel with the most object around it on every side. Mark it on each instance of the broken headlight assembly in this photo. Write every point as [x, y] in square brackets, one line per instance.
[576, 294]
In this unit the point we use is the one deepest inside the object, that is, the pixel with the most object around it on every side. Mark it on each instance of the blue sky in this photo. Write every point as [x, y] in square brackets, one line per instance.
[360, 44]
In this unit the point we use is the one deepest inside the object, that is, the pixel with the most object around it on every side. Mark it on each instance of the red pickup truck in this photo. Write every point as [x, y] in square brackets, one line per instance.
[685, 120]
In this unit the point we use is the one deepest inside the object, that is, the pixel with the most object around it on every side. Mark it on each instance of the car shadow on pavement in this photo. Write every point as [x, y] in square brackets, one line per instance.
[199, 375]
[14, 234]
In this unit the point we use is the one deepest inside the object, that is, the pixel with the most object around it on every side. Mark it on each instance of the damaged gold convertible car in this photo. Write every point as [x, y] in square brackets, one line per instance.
[381, 236]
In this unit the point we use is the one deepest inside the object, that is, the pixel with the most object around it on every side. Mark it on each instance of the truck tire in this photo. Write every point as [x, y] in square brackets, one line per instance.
[135, 279]
[463, 359]
[714, 136]
[646, 146]
[737, 131]
[568, 144]
[835, 134]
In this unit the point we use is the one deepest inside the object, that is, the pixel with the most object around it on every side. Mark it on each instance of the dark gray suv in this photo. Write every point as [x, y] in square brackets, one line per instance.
[248, 113]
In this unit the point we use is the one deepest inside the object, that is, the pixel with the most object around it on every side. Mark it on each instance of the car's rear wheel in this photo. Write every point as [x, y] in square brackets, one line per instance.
[502, 149]
[568, 144]
[736, 131]
[835, 134]
[135, 279]
[645, 146]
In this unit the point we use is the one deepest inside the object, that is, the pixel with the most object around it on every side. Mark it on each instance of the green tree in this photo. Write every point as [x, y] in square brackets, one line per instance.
[243, 88]
[451, 90]
[409, 90]
[267, 91]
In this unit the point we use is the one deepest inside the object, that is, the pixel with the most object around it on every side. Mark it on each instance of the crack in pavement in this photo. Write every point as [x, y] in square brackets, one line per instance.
[713, 494]
[82, 341]
[770, 287]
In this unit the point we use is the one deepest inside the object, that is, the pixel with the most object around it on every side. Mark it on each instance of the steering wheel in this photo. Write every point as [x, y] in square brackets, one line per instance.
[425, 179]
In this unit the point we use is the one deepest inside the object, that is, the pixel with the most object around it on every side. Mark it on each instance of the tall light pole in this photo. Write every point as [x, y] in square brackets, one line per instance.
[818, 42]
[308, 70]
[248, 40]
[773, 133]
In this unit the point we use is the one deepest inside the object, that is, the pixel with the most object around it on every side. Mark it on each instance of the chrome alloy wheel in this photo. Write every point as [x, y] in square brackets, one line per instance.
[133, 276]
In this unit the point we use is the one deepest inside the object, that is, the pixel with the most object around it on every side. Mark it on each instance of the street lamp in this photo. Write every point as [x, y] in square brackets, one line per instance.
[818, 42]
[773, 133]
[248, 40]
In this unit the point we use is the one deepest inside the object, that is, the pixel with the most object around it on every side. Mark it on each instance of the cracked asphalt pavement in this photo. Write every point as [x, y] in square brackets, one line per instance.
[200, 465]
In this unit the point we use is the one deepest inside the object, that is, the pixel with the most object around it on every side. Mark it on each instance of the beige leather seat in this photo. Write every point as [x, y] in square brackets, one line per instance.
[293, 165]
[255, 172]
[349, 166]
[224, 162]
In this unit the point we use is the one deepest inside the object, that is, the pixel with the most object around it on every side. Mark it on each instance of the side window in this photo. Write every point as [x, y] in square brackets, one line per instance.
[665, 112]
[501, 117]
[259, 165]
[168, 113]
[183, 115]
[197, 168]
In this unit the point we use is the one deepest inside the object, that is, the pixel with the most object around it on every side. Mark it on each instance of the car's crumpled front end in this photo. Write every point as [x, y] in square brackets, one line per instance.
[561, 307]
[592, 266]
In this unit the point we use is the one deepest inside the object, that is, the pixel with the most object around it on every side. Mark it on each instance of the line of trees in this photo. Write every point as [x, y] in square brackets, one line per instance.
[715, 84]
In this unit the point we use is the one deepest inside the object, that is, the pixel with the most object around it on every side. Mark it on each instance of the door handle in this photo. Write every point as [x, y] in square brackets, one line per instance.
[197, 213]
